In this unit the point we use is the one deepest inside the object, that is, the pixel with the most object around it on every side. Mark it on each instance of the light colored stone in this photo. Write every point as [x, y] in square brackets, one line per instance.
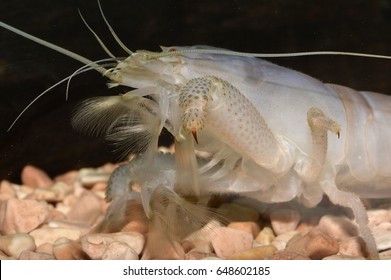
[353, 246]
[281, 240]
[94, 245]
[14, 244]
[66, 249]
[284, 220]
[119, 251]
[193, 255]
[386, 253]
[30, 255]
[256, 253]
[22, 215]
[378, 216]
[307, 223]
[87, 209]
[342, 257]
[286, 255]
[56, 215]
[90, 176]
[382, 239]
[4, 257]
[315, 245]
[35, 178]
[238, 241]
[100, 186]
[200, 240]
[250, 227]
[55, 193]
[338, 227]
[50, 235]
[265, 236]
[382, 226]
[83, 227]
[238, 213]
[7, 190]
[22, 192]
[46, 248]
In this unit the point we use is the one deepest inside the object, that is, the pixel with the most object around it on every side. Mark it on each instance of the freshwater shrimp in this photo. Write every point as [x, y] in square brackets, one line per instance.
[265, 128]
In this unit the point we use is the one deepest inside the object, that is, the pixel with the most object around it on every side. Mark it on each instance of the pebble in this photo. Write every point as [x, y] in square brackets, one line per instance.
[7, 191]
[281, 240]
[22, 215]
[193, 255]
[62, 223]
[286, 255]
[250, 227]
[90, 176]
[3, 256]
[55, 193]
[342, 257]
[94, 245]
[56, 215]
[382, 239]
[238, 241]
[307, 223]
[199, 240]
[238, 213]
[14, 244]
[66, 249]
[353, 246]
[119, 251]
[338, 227]
[284, 220]
[382, 226]
[35, 178]
[23, 192]
[30, 255]
[87, 208]
[378, 216]
[315, 245]
[45, 248]
[257, 253]
[386, 253]
[50, 235]
[265, 236]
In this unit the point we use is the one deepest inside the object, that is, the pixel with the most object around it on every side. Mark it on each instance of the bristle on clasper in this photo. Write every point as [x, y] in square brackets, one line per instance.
[132, 123]
[171, 219]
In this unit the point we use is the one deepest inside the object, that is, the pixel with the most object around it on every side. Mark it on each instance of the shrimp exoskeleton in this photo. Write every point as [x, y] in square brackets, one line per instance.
[272, 134]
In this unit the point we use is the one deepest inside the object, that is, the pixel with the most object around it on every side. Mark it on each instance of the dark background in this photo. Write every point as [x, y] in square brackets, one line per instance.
[44, 137]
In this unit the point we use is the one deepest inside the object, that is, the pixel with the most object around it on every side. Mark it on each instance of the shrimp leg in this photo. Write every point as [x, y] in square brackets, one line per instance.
[353, 202]
[319, 124]
[214, 104]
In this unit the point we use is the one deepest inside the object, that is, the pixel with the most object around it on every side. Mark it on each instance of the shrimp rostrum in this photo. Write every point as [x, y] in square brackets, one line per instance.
[270, 133]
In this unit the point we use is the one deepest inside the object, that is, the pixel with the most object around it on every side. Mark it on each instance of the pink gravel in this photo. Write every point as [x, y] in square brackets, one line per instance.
[55, 218]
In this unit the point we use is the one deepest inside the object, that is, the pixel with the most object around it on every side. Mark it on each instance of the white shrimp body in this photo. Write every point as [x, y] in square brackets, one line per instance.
[282, 97]
[266, 128]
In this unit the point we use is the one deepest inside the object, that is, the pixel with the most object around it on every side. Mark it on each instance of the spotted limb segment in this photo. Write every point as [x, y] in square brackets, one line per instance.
[216, 105]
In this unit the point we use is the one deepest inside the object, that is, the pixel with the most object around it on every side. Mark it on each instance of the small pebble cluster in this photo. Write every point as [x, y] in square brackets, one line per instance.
[46, 219]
